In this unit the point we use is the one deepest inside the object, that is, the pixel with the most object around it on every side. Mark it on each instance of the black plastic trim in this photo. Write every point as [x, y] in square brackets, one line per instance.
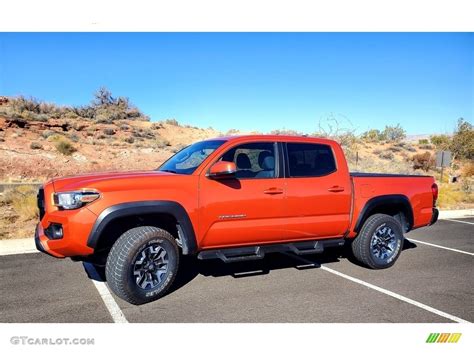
[40, 202]
[142, 208]
[255, 252]
[39, 247]
[49, 231]
[384, 200]
[279, 168]
[434, 216]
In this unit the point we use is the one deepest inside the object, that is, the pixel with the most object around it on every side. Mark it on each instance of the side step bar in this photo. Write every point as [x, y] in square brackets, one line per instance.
[229, 255]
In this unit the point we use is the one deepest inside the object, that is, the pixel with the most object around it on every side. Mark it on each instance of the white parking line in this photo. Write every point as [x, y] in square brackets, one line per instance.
[441, 247]
[112, 306]
[384, 291]
[455, 220]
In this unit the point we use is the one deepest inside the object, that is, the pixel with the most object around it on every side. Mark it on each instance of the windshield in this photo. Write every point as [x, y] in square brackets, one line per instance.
[188, 159]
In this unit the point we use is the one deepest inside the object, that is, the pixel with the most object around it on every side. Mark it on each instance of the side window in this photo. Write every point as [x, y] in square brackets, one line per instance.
[307, 159]
[253, 160]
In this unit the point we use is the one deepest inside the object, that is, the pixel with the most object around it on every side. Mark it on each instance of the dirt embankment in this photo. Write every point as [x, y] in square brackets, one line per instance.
[35, 147]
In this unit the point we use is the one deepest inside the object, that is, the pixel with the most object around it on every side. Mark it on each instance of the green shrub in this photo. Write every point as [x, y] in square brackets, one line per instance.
[143, 133]
[441, 142]
[386, 154]
[395, 149]
[423, 141]
[463, 140]
[281, 132]
[172, 122]
[394, 133]
[109, 131]
[424, 161]
[104, 108]
[373, 135]
[36, 145]
[65, 147]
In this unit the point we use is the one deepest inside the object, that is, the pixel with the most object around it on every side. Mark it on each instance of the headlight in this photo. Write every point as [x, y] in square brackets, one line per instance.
[75, 199]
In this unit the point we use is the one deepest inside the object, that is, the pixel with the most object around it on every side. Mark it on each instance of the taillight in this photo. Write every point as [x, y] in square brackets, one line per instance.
[434, 191]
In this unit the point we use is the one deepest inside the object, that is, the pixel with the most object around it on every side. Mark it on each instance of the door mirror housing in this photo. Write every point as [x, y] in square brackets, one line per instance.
[222, 170]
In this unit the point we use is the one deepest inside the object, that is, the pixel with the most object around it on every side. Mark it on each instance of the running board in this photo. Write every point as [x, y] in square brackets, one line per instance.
[229, 255]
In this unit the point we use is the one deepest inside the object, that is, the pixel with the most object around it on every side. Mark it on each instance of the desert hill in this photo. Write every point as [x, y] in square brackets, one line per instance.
[39, 141]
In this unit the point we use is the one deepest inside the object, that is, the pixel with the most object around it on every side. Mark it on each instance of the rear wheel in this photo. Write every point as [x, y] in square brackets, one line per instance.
[379, 242]
[142, 264]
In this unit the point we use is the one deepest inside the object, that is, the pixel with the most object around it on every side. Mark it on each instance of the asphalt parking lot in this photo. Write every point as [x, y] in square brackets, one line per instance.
[430, 283]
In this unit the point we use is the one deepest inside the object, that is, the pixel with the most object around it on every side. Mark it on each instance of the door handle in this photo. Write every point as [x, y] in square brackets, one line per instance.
[336, 189]
[273, 191]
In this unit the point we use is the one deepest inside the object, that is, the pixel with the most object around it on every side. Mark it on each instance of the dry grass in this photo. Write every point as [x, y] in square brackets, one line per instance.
[468, 170]
[23, 201]
[18, 212]
[455, 196]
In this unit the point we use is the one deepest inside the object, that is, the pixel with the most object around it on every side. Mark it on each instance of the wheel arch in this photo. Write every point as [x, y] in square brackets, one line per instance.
[395, 205]
[162, 213]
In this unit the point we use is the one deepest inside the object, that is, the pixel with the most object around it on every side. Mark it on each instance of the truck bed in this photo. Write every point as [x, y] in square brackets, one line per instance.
[359, 174]
[416, 188]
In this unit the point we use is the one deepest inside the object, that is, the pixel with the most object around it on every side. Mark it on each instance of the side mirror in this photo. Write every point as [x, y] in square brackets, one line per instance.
[222, 170]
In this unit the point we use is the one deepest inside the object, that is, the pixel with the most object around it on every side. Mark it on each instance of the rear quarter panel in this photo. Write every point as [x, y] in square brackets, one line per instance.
[416, 188]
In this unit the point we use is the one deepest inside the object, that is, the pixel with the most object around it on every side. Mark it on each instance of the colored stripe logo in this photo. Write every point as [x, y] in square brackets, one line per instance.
[443, 337]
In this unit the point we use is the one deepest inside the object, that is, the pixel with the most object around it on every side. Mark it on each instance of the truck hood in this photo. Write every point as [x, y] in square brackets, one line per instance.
[90, 180]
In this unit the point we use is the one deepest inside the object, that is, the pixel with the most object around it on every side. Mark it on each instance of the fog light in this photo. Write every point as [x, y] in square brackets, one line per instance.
[54, 231]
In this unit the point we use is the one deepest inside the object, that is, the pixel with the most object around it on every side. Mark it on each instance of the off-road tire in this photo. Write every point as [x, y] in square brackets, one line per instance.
[361, 246]
[120, 263]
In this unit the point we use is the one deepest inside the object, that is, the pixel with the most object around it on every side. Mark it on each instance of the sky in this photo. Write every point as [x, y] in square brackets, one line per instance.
[255, 81]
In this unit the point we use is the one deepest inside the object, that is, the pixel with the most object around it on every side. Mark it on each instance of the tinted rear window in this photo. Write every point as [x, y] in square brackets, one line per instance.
[307, 159]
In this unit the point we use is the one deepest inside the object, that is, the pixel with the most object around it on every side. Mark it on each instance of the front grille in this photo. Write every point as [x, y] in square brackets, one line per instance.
[40, 198]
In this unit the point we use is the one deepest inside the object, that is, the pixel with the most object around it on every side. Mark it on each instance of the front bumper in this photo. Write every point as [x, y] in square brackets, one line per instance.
[434, 216]
[39, 230]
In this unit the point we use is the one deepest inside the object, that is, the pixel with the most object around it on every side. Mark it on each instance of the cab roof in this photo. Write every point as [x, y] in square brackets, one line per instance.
[274, 137]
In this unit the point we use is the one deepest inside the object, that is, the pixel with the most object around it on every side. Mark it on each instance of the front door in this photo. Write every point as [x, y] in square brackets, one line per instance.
[249, 208]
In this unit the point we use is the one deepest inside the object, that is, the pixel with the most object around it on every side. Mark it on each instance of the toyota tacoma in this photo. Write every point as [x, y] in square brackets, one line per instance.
[231, 198]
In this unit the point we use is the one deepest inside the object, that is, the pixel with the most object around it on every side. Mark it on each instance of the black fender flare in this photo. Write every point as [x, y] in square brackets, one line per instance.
[385, 200]
[139, 208]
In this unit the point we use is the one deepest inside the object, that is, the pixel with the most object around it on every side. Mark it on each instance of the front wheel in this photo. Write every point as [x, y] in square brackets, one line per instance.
[379, 242]
[142, 264]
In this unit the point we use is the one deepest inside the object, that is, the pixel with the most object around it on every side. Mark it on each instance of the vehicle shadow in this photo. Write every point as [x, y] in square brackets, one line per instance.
[191, 267]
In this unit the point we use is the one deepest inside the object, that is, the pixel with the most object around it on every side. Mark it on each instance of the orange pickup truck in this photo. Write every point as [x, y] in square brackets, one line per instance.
[232, 198]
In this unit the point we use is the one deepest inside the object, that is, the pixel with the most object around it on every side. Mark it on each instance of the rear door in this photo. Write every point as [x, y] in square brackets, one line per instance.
[247, 209]
[318, 192]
